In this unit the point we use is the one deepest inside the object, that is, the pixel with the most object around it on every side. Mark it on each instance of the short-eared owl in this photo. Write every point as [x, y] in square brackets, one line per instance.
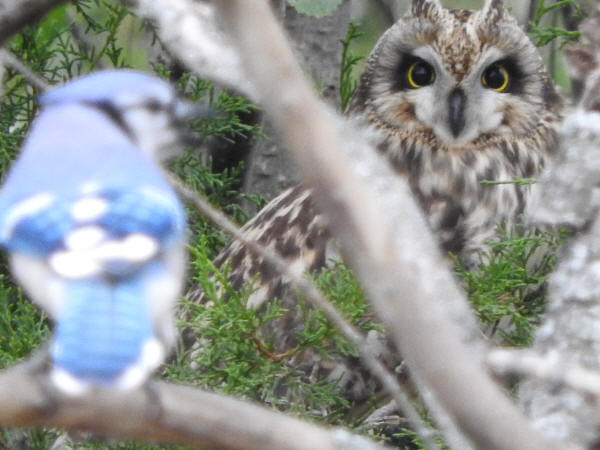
[460, 98]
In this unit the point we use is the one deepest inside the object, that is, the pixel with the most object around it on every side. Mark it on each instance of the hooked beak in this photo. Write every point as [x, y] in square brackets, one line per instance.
[456, 111]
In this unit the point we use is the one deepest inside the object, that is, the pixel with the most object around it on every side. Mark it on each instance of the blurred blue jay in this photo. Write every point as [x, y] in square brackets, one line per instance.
[95, 234]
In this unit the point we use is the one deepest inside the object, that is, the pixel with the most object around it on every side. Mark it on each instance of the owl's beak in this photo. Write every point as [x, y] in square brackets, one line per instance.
[456, 111]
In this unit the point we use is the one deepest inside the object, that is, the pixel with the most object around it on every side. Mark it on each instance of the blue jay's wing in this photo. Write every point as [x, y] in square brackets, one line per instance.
[107, 267]
[104, 233]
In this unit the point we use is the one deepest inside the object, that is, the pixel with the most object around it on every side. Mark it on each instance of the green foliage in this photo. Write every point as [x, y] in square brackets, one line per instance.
[26, 438]
[102, 19]
[410, 440]
[543, 35]
[348, 82]
[237, 355]
[192, 167]
[343, 290]
[511, 285]
[72, 40]
[22, 326]
[517, 180]
[315, 8]
[97, 444]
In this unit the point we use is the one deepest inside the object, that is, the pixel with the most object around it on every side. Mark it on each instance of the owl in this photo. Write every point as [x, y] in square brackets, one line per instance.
[464, 106]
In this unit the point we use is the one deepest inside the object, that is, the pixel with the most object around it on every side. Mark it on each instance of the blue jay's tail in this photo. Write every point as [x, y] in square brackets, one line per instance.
[104, 336]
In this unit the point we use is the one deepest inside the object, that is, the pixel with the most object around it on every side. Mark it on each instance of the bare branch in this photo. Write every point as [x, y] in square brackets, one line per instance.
[164, 412]
[551, 369]
[570, 185]
[191, 32]
[405, 278]
[14, 15]
[570, 195]
[312, 294]
[34, 79]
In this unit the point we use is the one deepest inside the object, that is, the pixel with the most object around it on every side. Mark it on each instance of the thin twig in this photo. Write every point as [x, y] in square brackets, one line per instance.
[551, 368]
[405, 279]
[302, 284]
[163, 412]
[34, 79]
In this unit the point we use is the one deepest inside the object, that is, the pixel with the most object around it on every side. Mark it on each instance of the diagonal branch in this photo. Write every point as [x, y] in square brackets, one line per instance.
[550, 368]
[163, 412]
[405, 278]
[34, 79]
[317, 299]
[192, 34]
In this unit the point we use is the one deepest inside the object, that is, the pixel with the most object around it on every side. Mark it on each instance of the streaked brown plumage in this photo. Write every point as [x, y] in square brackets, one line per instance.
[446, 136]
[459, 97]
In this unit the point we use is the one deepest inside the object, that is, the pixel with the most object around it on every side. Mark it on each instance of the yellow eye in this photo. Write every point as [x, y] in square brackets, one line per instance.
[496, 77]
[420, 74]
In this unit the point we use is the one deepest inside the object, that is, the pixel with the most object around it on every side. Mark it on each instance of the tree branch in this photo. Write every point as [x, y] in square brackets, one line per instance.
[163, 412]
[570, 196]
[405, 278]
[34, 79]
[550, 368]
[14, 15]
[304, 285]
[192, 34]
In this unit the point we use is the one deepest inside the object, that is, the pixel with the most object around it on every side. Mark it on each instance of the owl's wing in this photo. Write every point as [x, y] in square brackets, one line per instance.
[289, 225]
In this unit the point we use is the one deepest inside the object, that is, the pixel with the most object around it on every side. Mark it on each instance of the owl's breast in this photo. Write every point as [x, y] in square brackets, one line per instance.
[465, 193]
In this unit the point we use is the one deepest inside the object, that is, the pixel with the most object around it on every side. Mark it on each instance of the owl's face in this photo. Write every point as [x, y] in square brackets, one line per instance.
[456, 77]
[461, 98]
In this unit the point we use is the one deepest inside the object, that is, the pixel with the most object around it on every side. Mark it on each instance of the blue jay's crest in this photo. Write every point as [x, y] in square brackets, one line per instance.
[96, 235]
[116, 86]
[144, 107]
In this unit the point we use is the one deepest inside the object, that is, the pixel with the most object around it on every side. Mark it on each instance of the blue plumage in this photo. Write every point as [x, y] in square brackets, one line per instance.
[102, 329]
[95, 234]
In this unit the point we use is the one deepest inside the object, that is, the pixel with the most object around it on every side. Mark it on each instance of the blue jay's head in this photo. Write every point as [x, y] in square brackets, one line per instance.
[143, 106]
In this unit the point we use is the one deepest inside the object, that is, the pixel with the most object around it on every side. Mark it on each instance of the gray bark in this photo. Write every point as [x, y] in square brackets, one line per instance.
[316, 42]
[384, 237]
[15, 15]
[571, 196]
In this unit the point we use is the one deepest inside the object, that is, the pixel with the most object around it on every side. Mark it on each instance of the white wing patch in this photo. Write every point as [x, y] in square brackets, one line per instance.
[88, 253]
[85, 238]
[151, 356]
[67, 383]
[89, 208]
[74, 264]
[90, 187]
[91, 236]
[134, 248]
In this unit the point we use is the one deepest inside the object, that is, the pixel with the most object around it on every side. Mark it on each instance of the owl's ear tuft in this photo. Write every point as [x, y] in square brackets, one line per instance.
[428, 9]
[492, 10]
